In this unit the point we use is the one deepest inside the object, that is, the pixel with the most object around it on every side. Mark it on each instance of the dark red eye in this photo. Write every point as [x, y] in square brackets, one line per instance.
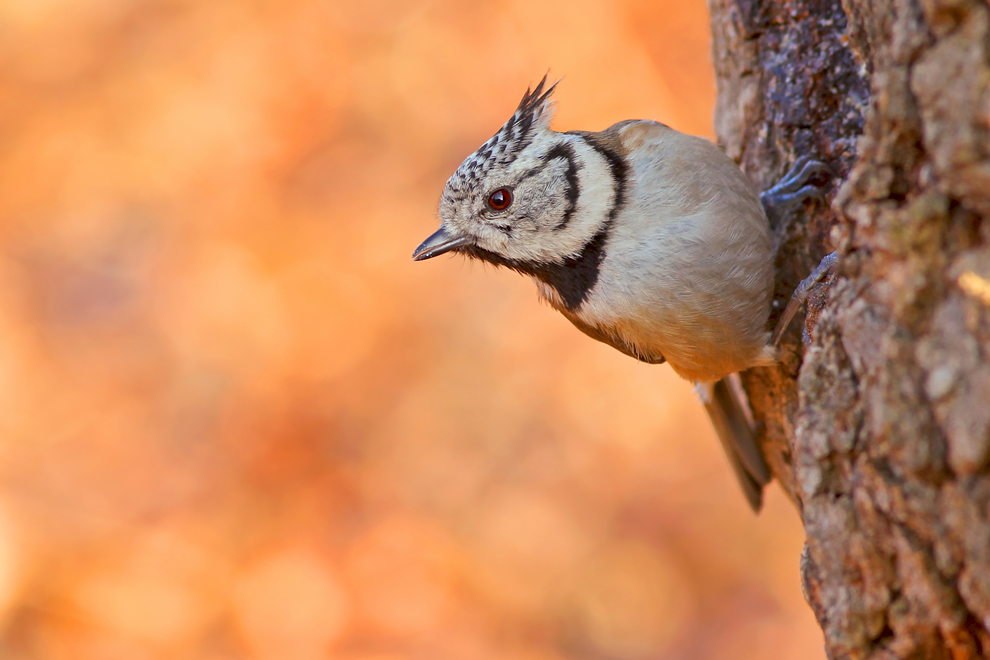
[500, 199]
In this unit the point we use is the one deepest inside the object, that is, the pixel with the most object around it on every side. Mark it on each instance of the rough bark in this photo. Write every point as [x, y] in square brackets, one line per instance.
[877, 422]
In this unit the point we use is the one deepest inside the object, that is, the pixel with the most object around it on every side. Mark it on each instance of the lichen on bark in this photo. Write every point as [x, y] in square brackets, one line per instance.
[879, 430]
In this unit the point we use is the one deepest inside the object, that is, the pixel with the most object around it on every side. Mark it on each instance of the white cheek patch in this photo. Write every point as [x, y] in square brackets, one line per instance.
[596, 196]
[564, 191]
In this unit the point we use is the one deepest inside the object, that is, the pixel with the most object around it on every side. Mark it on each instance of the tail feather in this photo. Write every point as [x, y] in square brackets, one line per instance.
[735, 432]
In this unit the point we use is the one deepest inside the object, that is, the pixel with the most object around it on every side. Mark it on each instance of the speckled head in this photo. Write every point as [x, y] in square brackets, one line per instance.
[533, 116]
[500, 191]
[536, 201]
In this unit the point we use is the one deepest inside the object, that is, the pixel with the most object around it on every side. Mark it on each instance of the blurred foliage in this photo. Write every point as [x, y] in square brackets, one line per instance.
[239, 422]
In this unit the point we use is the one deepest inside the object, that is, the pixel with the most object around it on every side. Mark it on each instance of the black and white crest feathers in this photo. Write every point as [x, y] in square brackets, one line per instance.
[527, 148]
[535, 112]
[536, 106]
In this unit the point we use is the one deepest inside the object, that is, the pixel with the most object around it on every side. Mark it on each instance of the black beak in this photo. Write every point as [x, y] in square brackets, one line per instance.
[438, 244]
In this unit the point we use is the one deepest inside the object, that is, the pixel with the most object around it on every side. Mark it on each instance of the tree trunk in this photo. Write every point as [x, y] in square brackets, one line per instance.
[877, 421]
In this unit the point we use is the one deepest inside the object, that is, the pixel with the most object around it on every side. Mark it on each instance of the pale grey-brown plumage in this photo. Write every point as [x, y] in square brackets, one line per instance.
[645, 238]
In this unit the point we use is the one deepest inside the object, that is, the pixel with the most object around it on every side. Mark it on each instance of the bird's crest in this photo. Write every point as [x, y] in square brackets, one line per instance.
[534, 113]
[536, 106]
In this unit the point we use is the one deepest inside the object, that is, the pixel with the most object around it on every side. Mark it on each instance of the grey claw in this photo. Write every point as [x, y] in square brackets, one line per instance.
[794, 198]
[800, 296]
[794, 187]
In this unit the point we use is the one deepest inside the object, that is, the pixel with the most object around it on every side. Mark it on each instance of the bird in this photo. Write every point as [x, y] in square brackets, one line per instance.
[645, 238]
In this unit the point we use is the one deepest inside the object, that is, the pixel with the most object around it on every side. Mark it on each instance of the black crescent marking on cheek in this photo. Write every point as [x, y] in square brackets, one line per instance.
[573, 191]
[616, 164]
[576, 276]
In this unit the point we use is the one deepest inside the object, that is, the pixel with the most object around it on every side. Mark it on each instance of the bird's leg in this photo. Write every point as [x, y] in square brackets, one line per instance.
[724, 402]
[800, 296]
[795, 188]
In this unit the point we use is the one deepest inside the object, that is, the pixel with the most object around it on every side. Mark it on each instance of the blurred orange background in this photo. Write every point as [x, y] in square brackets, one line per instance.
[239, 422]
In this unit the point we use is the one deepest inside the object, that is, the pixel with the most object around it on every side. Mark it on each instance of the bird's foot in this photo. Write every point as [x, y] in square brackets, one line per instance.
[800, 296]
[796, 187]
